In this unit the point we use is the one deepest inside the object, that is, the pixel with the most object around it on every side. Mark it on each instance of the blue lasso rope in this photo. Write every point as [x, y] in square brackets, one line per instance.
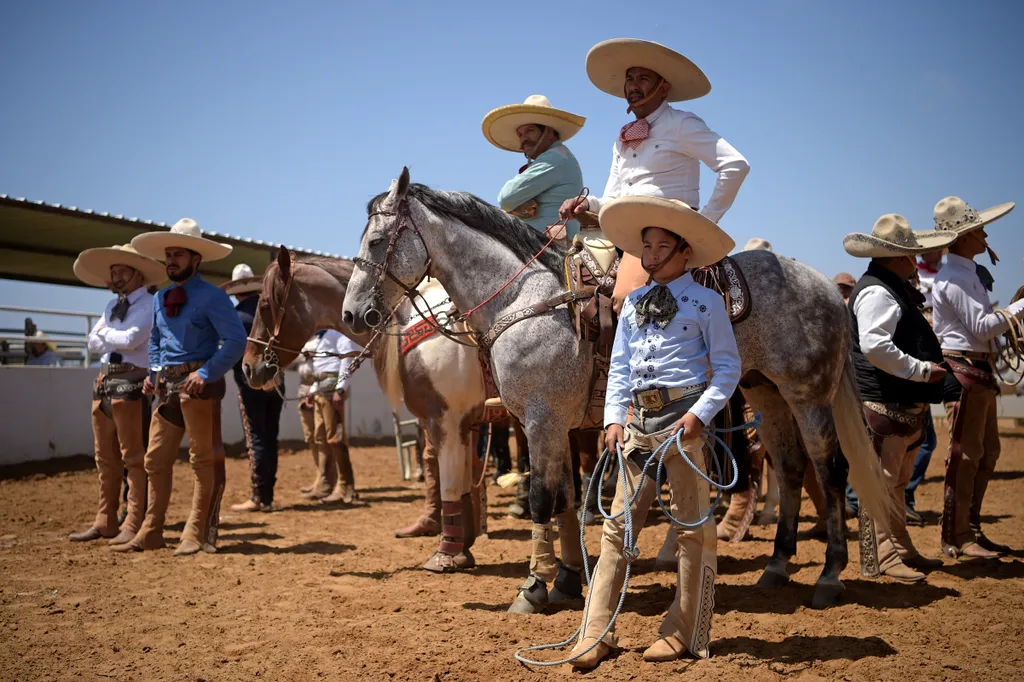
[629, 540]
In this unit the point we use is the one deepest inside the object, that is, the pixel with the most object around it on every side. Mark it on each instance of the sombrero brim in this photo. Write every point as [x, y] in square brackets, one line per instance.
[608, 61]
[152, 244]
[624, 219]
[93, 266]
[869, 246]
[245, 285]
[500, 125]
[984, 218]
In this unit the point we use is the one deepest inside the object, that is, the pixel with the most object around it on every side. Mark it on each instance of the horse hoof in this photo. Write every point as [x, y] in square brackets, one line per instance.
[773, 578]
[439, 562]
[827, 594]
[532, 597]
[568, 587]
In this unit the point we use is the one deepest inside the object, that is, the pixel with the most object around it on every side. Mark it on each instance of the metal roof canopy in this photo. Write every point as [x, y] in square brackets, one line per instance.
[39, 242]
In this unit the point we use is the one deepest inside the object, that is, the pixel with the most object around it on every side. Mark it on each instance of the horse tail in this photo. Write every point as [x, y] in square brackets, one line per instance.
[866, 474]
[387, 364]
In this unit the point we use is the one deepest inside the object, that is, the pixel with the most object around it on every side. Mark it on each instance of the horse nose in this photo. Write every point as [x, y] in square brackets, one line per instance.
[347, 317]
[372, 317]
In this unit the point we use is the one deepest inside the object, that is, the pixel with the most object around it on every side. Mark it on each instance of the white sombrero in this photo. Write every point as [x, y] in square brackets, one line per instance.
[500, 124]
[608, 61]
[758, 244]
[955, 215]
[242, 281]
[93, 265]
[185, 234]
[624, 219]
[891, 236]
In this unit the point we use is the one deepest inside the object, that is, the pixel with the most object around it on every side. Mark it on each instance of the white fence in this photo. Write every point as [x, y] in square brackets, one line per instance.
[46, 412]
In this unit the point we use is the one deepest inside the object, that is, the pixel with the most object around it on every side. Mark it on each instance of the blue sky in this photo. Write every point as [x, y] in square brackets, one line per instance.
[278, 121]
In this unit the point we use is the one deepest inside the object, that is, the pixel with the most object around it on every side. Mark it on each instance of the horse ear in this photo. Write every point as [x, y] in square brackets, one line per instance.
[403, 183]
[284, 262]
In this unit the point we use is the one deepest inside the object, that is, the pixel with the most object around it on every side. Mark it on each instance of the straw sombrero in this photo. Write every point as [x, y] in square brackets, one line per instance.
[758, 244]
[242, 281]
[49, 344]
[500, 124]
[93, 265]
[185, 234]
[624, 219]
[608, 61]
[955, 215]
[891, 236]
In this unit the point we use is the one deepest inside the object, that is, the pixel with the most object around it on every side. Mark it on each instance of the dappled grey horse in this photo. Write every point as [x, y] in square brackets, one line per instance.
[794, 344]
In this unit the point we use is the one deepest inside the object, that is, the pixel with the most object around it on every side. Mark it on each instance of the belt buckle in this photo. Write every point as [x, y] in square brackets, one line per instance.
[650, 400]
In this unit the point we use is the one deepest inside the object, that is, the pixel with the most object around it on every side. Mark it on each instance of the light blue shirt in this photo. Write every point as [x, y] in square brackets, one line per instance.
[207, 319]
[551, 178]
[697, 346]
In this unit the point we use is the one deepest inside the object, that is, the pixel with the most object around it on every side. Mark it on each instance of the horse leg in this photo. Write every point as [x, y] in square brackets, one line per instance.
[818, 429]
[549, 454]
[569, 581]
[455, 469]
[779, 434]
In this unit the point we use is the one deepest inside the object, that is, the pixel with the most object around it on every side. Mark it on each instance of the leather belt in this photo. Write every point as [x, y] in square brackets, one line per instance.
[325, 375]
[175, 371]
[655, 399]
[967, 354]
[110, 368]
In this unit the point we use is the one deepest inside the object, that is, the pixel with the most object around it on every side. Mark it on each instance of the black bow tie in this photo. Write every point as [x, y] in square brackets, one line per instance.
[120, 309]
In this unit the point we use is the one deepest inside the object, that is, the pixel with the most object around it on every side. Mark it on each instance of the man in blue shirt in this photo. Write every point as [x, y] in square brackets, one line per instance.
[196, 339]
[551, 174]
[260, 410]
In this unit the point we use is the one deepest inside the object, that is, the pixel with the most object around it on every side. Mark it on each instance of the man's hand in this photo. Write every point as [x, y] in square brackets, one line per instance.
[309, 401]
[570, 208]
[692, 427]
[338, 401]
[194, 384]
[147, 387]
[614, 435]
[938, 373]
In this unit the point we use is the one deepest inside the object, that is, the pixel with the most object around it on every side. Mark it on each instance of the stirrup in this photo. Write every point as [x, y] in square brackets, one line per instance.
[493, 402]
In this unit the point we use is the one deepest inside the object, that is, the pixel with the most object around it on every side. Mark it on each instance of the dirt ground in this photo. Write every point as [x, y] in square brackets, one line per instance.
[266, 605]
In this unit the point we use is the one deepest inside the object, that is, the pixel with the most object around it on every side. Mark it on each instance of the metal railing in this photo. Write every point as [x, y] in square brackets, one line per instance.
[403, 446]
[79, 351]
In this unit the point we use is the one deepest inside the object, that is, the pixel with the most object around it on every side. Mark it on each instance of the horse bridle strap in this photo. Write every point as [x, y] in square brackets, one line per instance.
[487, 340]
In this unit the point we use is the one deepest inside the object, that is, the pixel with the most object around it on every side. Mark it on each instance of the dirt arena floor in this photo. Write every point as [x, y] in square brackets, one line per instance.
[267, 606]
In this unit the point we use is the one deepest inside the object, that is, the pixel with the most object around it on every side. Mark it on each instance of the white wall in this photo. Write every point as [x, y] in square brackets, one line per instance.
[45, 412]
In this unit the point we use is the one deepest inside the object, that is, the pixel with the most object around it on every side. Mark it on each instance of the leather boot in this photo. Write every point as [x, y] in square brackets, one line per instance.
[738, 516]
[665, 649]
[345, 489]
[429, 522]
[590, 660]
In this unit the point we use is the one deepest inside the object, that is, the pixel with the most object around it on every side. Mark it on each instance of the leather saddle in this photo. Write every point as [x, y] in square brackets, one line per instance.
[592, 263]
[727, 279]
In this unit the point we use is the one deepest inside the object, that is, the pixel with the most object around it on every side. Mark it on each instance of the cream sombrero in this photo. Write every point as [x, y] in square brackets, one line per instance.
[93, 265]
[242, 281]
[891, 236]
[624, 219]
[500, 124]
[955, 215]
[758, 244]
[185, 234]
[608, 61]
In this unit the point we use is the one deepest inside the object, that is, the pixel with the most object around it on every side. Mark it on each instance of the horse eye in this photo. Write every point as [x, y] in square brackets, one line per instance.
[376, 242]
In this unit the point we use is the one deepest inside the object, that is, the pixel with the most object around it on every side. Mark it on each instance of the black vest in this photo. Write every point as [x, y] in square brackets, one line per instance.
[913, 336]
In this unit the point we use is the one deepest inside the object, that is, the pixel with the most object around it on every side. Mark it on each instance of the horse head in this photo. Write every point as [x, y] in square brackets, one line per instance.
[299, 297]
[392, 260]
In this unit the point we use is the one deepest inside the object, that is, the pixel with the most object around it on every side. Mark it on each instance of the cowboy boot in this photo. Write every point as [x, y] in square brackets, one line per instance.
[429, 522]
[345, 489]
[452, 540]
[738, 516]
[135, 510]
[520, 507]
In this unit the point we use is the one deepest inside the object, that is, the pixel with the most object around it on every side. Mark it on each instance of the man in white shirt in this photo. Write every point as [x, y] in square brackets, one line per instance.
[658, 154]
[966, 326]
[120, 412]
[896, 357]
[675, 361]
[334, 354]
[306, 395]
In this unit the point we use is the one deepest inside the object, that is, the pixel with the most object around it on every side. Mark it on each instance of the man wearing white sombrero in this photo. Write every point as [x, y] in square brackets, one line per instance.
[551, 174]
[675, 361]
[196, 338]
[659, 154]
[897, 359]
[120, 412]
[966, 325]
[260, 410]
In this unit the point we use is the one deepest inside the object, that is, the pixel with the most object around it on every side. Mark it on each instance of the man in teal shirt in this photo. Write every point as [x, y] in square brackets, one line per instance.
[196, 339]
[551, 174]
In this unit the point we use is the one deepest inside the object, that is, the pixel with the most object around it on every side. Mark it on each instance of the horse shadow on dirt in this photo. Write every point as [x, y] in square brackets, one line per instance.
[314, 547]
[988, 568]
[934, 518]
[797, 649]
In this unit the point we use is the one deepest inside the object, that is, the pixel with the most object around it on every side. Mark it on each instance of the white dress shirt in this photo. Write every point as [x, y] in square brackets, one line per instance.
[877, 314]
[307, 374]
[927, 280]
[667, 164]
[130, 336]
[697, 346]
[337, 343]
[961, 310]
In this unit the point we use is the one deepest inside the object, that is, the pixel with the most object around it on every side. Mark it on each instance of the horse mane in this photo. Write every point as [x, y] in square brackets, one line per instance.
[511, 232]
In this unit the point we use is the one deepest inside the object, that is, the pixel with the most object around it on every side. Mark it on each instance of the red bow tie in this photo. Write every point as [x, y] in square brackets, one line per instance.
[173, 300]
[632, 134]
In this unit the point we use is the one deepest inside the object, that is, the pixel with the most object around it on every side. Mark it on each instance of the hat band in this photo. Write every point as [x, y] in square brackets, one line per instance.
[969, 217]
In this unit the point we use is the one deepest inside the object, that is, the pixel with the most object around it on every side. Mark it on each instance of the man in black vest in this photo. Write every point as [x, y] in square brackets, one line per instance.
[896, 355]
